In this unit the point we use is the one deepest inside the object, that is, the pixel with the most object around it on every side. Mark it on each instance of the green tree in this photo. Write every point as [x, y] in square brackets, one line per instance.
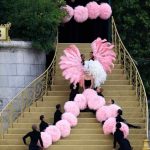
[133, 22]
[33, 20]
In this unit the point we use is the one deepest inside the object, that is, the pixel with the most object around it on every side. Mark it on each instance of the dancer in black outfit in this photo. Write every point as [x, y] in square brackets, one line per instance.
[99, 91]
[58, 113]
[119, 138]
[83, 59]
[43, 125]
[34, 136]
[74, 90]
[120, 119]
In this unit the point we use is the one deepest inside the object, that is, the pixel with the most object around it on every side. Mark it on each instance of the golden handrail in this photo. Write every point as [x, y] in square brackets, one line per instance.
[132, 72]
[31, 93]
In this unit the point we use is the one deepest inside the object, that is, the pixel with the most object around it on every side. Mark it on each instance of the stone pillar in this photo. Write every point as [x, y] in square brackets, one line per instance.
[19, 65]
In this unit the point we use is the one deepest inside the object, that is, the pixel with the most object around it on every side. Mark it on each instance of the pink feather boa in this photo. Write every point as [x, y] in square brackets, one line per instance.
[64, 127]
[81, 101]
[70, 12]
[93, 10]
[96, 102]
[70, 118]
[80, 14]
[72, 107]
[105, 11]
[54, 132]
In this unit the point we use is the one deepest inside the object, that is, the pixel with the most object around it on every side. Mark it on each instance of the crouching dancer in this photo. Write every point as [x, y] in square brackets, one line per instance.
[35, 136]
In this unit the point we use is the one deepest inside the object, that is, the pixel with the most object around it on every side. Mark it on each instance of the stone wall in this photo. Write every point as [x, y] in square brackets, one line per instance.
[19, 65]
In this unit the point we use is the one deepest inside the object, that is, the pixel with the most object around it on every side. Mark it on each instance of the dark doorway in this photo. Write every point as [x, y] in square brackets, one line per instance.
[73, 32]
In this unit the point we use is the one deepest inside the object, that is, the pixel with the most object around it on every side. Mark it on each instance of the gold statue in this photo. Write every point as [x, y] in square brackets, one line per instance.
[4, 32]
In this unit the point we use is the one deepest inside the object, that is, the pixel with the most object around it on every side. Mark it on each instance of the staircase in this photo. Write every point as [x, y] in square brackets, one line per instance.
[88, 133]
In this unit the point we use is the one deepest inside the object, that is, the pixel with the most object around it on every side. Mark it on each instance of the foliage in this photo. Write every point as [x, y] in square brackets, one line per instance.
[33, 20]
[133, 22]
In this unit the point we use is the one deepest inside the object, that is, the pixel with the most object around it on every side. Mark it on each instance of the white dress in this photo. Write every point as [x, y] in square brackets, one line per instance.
[97, 71]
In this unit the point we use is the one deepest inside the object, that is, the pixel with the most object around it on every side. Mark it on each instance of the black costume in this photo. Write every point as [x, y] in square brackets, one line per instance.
[57, 116]
[123, 143]
[120, 119]
[100, 94]
[87, 83]
[74, 90]
[34, 136]
[43, 125]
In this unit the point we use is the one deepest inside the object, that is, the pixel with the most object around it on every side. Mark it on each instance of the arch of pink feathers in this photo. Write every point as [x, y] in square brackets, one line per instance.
[53, 133]
[92, 11]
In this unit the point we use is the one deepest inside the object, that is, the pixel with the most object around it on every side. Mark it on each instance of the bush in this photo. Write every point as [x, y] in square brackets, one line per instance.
[33, 20]
[133, 22]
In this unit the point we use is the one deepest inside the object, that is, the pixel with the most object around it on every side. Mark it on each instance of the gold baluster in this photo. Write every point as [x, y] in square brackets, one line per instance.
[146, 145]
[131, 72]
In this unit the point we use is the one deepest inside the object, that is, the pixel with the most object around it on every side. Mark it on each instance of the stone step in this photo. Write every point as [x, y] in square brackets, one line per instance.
[106, 93]
[69, 142]
[74, 131]
[107, 82]
[52, 109]
[105, 87]
[80, 136]
[79, 126]
[118, 99]
[36, 120]
[114, 71]
[109, 77]
[116, 66]
[53, 103]
[82, 115]
[67, 147]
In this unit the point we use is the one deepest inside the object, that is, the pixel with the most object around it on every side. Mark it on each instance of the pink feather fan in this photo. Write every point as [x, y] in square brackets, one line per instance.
[70, 63]
[103, 52]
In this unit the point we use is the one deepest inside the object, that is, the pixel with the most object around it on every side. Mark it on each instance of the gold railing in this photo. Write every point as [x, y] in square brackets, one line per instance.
[33, 92]
[131, 71]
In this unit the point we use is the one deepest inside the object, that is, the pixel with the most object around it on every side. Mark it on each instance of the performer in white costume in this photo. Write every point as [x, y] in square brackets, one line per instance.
[99, 65]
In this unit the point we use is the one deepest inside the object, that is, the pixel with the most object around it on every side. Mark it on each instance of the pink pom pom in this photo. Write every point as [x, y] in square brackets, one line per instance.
[81, 101]
[47, 140]
[96, 102]
[109, 126]
[105, 11]
[80, 14]
[93, 10]
[113, 109]
[102, 114]
[64, 127]
[70, 118]
[124, 128]
[89, 93]
[54, 132]
[72, 107]
[70, 12]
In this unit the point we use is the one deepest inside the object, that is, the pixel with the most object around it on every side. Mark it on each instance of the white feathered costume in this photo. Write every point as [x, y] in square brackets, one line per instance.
[73, 70]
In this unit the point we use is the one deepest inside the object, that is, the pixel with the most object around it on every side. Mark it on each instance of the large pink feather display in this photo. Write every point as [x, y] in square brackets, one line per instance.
[103, 52]
[70, 63]
[70, 118]
[103, 113]
[81, 101]
[47, 140]
[109, 126]
[54, 132]
[114, 109]
[72, 107]
[69, 13]
[96, 102]
[64, 127]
